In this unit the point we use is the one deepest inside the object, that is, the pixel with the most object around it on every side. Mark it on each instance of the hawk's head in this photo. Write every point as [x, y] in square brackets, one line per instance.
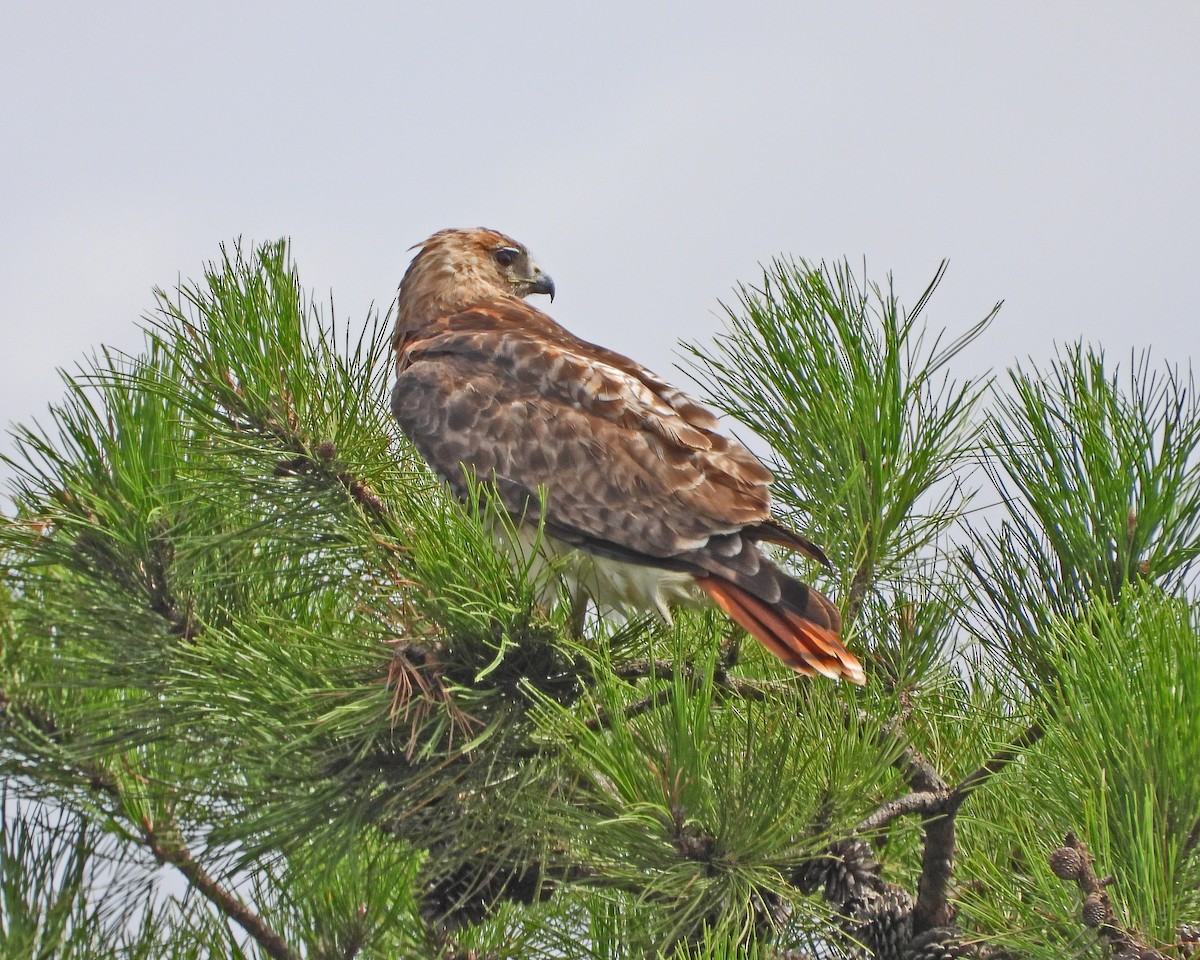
[455, 268]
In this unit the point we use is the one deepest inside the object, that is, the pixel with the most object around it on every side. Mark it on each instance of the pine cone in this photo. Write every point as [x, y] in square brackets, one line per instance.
[847, 872]
[1188, 937]
[939, 943]
[1066, 862]
[1095, 909]
[471, 892]
[885, 924]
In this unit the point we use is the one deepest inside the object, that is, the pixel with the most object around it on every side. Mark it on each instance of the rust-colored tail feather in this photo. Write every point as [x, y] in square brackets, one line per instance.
[805, 646]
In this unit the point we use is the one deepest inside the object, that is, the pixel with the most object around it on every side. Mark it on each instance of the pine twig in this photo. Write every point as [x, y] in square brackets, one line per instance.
[318, 461]
[1073, 861]
[922, 775]
[1001, 758]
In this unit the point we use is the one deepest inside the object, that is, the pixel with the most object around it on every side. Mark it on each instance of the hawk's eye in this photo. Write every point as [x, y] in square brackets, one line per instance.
[507, 256]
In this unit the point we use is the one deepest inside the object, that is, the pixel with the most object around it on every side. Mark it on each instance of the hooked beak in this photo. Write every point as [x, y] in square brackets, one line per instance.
[542, 284]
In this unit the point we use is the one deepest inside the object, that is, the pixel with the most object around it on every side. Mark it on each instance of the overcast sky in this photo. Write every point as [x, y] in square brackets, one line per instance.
[651, 155]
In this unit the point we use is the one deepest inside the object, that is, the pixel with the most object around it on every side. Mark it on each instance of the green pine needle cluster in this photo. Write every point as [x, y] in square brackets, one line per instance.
[250, 645]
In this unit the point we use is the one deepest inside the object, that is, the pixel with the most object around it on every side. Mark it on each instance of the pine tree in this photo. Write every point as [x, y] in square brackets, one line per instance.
[253, 652]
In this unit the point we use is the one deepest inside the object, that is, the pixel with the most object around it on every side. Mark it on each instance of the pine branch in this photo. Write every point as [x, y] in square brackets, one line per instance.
[643, 705]
[860, 584]
[318, 464]
[938, 806]
[668, 669]
[937, 867]
[1193, 838]
[923, 802]
[922, 775]
[165, 843]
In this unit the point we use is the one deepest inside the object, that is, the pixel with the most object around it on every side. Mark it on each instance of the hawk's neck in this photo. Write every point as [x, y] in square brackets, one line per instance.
[429, 292]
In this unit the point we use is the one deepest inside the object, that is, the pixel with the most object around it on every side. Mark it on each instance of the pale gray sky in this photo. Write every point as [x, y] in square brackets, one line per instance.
[649, 154]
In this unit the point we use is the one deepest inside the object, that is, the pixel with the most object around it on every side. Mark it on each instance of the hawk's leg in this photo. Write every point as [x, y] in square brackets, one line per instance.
[578, 617]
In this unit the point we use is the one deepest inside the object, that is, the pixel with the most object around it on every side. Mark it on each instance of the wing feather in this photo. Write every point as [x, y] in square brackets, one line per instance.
[537, 407]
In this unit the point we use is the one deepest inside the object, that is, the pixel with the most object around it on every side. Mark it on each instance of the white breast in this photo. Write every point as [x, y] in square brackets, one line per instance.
[613, 585]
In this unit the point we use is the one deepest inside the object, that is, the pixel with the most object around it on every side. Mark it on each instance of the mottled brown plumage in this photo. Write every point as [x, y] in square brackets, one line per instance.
[651, 505]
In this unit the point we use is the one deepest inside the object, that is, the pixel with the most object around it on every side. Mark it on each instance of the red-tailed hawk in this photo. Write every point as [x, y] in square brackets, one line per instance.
[648, 503]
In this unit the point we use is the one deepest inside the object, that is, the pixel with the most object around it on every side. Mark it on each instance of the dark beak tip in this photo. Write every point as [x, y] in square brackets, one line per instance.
[543, 284]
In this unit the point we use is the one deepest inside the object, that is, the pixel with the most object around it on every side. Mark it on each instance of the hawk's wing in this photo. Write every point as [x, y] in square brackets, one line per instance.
[627, 461]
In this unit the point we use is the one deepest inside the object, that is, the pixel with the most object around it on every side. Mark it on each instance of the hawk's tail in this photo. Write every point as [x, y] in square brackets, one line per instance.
[801, 642]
